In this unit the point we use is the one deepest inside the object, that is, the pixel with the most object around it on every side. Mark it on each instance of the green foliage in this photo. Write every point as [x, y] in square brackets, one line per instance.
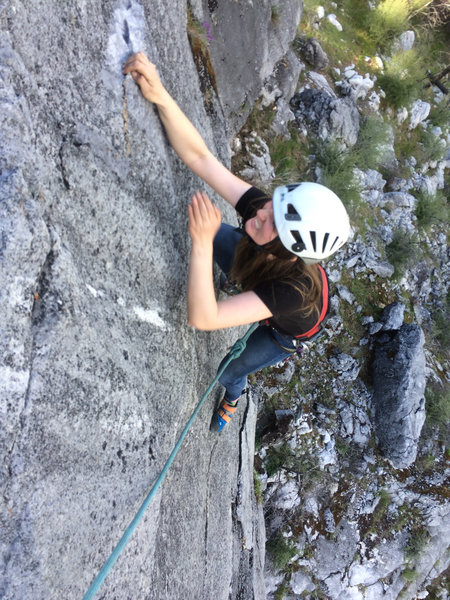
[289, 157]
[403, 251]
[283, 457]
[281, 550]
[337, 163]
[441, 330]
[440, 115]
[437, 409]
[403, 517]
[418, 539]
[257, 485]
[336, 166]
[275, 14]
[431, 210]
[381, 508]
[196, 33]
[390, 19]
[409, 575]
[402, 79]
[281, 592]
[374, 136]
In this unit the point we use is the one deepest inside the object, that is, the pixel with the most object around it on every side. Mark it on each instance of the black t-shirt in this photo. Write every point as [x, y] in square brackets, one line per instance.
[282, 299]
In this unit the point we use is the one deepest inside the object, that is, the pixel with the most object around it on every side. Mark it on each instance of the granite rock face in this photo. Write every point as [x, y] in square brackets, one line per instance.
[99, 371]
[399, 387]
[247, 40]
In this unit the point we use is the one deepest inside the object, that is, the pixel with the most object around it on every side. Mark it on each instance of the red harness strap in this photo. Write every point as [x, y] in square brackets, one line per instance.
[315, 329]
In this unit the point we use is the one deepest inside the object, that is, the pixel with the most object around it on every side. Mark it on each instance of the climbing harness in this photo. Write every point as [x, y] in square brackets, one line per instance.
[235, 352]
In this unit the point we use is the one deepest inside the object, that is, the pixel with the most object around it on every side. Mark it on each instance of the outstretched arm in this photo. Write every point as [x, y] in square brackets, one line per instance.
[183, 136]
[204, 312]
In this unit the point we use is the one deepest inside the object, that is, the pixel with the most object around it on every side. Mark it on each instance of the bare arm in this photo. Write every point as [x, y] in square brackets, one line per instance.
[204, 312]
[183, 136]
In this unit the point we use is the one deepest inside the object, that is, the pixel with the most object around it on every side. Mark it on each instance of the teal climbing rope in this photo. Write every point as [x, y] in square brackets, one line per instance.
[235, 352]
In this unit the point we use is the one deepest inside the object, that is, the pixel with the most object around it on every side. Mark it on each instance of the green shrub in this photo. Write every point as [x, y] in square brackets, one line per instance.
[279, 457]
[337, 163]
[289, 157]
[281, 592]
[337, 166]
[281, 550]
[440, 115]
[257, 485]
[374, 135]
[431, 146]
[403, 251]
[381, 508]
[409, 575]
[418, 539]
[431, 210]
[283, 457]
[402, 79]
[391, 18]
[441, 330]
[437, 408]
[275, 14]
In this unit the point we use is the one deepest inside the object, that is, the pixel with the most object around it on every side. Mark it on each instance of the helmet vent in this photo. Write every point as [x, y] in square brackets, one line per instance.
[299, 245]
[325, 240]
[334, 243]
[292, 186]
[313, 239]
[292, 214]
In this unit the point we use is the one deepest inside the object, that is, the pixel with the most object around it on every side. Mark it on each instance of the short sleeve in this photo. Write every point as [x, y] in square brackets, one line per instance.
[250, 202]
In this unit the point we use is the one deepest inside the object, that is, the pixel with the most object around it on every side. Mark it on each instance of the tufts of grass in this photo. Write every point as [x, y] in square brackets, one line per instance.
[418, 539]
[381, 508]
[336, 172]
[403, 252]
[275, 12]
[390, 18]
[281, 550]
[441, 330]
[402, 78]
[257, 487]
[281, 592]
[431, 210]
[290, 158]
[437, 409]
[440, 115]
[283, 457]
[337, 164]
[374, 136]
[409, 575]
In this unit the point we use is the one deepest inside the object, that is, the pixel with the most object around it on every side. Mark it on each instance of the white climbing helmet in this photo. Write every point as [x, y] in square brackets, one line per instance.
[310, 219]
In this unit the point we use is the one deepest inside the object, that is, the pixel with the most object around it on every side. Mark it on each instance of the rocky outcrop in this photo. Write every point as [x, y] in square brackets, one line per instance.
[325, 116]
[247, 40]
[312, 52]
[99, 371]
[398, 390]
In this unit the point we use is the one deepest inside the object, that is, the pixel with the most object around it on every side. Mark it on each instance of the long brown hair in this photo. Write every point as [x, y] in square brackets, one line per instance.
[273, 262]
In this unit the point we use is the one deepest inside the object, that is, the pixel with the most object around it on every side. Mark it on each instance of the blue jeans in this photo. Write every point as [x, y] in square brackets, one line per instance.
[261, 350]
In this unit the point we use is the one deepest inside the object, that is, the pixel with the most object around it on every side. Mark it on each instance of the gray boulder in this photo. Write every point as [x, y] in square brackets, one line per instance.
[327, 117]
[392, 316]
[312, 52]
[398, 372]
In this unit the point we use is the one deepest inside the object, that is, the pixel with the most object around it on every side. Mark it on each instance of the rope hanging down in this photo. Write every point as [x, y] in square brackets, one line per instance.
[235, 351]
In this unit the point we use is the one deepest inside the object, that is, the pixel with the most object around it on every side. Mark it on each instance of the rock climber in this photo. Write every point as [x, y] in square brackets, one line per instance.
[269, 265]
